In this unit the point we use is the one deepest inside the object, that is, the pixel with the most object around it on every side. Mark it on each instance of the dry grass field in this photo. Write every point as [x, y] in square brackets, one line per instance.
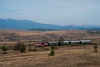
[29, 33]
[25, 35]
[65, 56]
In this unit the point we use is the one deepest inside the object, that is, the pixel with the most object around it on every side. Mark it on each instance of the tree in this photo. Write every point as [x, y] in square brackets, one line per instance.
[61, 41]
[4, 49]
[69, 42]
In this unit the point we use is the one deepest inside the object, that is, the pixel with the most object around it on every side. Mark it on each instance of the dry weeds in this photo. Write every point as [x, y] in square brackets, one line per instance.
[65, 56]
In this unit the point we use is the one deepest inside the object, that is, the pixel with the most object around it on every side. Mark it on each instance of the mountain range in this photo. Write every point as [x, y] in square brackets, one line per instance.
[31, 25]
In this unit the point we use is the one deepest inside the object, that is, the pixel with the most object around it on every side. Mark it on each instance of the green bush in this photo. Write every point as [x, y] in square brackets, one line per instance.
[95, 48]
[4, 49]
[17, 46]
[52, 51]
[20, 47]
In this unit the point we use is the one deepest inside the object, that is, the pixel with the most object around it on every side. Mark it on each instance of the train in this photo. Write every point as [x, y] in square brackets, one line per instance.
[61, 43]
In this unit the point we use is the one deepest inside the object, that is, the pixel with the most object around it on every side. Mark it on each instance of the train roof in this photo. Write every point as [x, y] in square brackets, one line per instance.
[85, 40]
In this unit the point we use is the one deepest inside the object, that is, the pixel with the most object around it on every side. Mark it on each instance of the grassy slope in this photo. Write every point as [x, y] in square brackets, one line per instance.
[66, 56]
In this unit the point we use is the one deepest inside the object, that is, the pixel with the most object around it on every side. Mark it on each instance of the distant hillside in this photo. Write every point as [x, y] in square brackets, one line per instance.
[31, 25]
[25, 24]
[94, 28]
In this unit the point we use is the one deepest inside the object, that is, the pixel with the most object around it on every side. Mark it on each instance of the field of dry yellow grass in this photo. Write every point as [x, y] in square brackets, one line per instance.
[29, 33]
[65, 56]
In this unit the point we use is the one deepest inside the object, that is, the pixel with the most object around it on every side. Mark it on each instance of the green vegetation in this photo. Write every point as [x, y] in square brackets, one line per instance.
[4, 49]
[20, 47]
[95, 48]
[52, 51]
[23, 48]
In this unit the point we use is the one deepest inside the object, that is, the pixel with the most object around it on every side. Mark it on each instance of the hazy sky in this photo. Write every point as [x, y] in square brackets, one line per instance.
[59, 12]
